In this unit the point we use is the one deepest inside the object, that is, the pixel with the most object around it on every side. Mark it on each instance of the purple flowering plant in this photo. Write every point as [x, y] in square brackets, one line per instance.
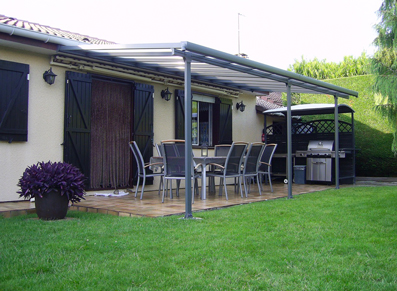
[44, 177]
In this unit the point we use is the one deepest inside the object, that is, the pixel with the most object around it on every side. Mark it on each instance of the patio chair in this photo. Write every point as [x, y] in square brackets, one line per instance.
[265, 167]
[220, 150]
[174, 164]
[251, 165]
[142, 168]
[175, 153]
[158, 149]
[232, 166]
[160, 154]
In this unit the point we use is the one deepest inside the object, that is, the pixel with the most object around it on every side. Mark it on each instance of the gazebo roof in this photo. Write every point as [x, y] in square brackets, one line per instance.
[311, 109]
[208, 66]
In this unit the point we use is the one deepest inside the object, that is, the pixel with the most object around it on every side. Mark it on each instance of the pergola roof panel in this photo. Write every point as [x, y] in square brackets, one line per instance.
[209, 66]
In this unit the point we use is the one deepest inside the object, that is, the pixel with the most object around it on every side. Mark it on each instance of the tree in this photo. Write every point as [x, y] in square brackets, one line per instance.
[321, 70]
[384, 64]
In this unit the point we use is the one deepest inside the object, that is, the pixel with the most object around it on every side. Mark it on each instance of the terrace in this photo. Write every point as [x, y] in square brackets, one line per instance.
[151, 206]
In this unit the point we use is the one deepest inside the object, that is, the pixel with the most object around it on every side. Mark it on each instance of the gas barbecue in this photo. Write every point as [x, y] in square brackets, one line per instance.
[319, 157]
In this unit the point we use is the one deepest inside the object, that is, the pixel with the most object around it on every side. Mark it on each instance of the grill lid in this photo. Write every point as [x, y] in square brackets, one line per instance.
[320, 145]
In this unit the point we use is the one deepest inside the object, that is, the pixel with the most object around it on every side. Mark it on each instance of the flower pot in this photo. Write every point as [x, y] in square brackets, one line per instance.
[52, 206]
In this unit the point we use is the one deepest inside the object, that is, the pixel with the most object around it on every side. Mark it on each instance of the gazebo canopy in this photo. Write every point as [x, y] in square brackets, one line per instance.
[208, 66]
[310, 109]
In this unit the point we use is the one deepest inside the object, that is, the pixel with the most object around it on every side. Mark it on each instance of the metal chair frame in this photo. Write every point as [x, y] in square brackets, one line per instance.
[174, 165]
[265, 167]
[232, 166]
[251, 165]
[142, 167]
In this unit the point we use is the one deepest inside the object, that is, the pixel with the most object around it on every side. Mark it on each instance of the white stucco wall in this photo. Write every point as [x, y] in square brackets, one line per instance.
[247, 125]
[45, 123]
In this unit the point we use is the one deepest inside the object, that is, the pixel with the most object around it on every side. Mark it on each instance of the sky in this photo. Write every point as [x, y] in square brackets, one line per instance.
[276, 33]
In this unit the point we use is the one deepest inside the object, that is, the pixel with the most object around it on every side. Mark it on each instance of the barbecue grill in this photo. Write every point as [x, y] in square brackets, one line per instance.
[319, 160]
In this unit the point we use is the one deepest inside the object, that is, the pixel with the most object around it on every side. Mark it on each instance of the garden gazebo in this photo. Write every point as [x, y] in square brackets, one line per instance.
[192, 64]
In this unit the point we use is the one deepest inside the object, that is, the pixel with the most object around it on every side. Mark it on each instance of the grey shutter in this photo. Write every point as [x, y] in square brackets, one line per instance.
[143, 123]
[225, 121]
[77, 136]
[179, 114]
[14, 86]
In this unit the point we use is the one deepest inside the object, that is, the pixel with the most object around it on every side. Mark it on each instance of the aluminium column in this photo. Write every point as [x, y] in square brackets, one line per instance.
[289, 141]
[336, 143]
[188, 138]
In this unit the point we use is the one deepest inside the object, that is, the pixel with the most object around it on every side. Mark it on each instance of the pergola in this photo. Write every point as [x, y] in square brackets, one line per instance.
[196, 64]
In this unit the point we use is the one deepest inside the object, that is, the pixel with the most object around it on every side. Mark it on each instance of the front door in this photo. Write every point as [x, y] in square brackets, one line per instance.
[101, 117]
[111, 111]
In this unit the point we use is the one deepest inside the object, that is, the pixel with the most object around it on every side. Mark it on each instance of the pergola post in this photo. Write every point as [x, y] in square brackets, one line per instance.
[336, 117]
[289, 141]
[188, 139]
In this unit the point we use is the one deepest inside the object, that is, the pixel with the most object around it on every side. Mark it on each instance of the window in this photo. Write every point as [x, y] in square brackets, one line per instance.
[14, 87]
[211, 119]
[202, 120]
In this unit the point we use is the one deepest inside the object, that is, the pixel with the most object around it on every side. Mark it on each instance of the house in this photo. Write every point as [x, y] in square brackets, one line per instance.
[94, 134]
[106, 94]
[271, 101]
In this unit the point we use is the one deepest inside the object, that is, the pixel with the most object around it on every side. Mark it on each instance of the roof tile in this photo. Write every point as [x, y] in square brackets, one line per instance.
[23, 24]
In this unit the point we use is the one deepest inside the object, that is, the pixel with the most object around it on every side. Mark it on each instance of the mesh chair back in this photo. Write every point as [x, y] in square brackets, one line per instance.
[159, 150]
[174, 157]
[267, 156]
[222, 150]
[234, 158]
[251, 162]
[174, 161]
[138, 157]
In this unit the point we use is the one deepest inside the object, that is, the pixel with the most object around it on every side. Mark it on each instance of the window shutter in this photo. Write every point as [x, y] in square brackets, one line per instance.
[77, 136]
[14, 86]
[225, 121]
[179, 114]
[143, 123]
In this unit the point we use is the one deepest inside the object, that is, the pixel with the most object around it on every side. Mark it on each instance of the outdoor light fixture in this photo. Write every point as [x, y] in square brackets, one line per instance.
[49, 76]
[240, 106]
[166, 94]
[204, 150]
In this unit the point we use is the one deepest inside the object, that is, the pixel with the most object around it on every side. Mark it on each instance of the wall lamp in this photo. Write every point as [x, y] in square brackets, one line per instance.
[49, 76]
[166, 94]
[240, 106]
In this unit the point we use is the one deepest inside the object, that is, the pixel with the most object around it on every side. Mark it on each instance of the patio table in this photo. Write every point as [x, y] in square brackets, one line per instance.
[204, 161]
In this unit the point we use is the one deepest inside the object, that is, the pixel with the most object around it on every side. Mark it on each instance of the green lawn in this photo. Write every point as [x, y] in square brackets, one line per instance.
[331, 240]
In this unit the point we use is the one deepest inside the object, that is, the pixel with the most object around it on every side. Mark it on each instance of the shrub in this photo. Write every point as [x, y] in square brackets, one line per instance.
[44, 177]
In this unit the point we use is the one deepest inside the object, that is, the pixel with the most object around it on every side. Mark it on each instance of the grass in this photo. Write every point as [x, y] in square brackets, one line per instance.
[331, 240]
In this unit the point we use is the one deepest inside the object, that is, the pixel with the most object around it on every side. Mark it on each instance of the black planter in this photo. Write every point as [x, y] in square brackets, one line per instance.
[52, 206]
